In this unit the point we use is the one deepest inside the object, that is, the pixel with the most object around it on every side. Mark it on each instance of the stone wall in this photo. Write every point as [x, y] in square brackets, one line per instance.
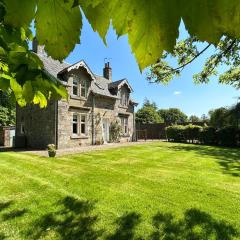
[39, 125]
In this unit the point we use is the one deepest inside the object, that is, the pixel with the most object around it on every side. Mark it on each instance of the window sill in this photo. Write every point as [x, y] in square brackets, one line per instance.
[77, 97]
[125, 135]
[121, 106]
[79, 137]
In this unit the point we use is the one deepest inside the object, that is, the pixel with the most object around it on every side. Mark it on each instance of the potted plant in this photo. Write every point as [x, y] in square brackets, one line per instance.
[51, 150]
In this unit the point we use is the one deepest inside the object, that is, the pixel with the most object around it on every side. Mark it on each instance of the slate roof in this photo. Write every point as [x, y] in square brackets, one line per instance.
[52, 66]
[116, 83]
[100, 86]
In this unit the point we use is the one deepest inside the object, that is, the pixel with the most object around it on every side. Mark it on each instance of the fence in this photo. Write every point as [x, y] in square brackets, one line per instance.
[150, 131]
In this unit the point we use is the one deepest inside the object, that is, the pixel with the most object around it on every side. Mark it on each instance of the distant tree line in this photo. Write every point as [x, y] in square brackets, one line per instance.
[149, 113]
[216, 118]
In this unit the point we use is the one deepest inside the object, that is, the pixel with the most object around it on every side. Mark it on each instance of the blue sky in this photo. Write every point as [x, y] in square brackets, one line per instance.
[181, 92]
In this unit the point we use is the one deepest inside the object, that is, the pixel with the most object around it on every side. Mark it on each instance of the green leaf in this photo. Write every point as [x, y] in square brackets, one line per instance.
[101, 23]
[17, 90]
[4, 82]
[152, 26]
[210, 20]
[40, 99]
[28, 91]
[58, 27]
[19, 13]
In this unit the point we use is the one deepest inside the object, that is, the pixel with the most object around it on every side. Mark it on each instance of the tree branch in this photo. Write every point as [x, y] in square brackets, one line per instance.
[190, 61]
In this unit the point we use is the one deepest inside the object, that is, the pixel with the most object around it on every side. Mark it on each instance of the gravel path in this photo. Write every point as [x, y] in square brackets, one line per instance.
[62, 152]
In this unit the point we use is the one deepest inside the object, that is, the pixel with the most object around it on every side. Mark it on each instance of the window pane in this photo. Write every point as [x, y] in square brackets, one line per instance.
[83, 128]
[75, 131]
[83, 118]
[75, 87]
[83, 88]
[75, 118]
[75, 124]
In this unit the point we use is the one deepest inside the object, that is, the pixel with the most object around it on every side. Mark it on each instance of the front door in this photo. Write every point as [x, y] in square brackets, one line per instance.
[105, 130]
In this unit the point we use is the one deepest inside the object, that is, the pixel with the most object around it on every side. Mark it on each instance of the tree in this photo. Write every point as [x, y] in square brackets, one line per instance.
[147, 103]
[148, 114]
[225, 53]
[234, 115]
[172, 116]
[194, 119]
[219, 117]
[152, 31]
[7, 109]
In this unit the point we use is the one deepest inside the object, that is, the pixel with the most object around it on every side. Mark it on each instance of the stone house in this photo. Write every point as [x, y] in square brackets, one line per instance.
[85, 118]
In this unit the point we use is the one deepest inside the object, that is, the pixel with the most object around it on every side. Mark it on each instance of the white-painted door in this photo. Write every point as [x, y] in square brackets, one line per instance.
[12, 135]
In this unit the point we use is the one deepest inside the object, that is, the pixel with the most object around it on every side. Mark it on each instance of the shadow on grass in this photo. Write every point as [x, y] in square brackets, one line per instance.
[2, 236]
[76, 220]
[5, 205]
[126, 225]
[228, 158]
[195, 224]
[5, 215]
[14, 214]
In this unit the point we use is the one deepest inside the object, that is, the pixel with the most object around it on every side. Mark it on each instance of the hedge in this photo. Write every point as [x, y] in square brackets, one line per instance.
[227, 136]
[179, 133]
[208, 136]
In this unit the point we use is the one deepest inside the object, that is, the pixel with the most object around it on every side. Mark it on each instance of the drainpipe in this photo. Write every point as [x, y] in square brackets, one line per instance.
[93, 119]
[56, 124]
[134, 127]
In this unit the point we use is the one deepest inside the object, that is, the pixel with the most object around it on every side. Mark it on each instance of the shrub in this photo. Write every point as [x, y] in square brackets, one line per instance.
[228, 136]
[192, 132]
[176, 133]
[115, 132]
[207, 135]
[51, 150]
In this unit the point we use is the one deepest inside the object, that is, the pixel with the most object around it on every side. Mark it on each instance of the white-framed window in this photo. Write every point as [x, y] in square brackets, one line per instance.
[83, 124]
[84, 88]
[79, 88]
[75, 126]
[124, 98]
[75, 87]
[124, 124]
[79, 124]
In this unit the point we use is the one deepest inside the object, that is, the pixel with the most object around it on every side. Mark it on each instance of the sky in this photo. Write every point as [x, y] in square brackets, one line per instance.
[181, 92]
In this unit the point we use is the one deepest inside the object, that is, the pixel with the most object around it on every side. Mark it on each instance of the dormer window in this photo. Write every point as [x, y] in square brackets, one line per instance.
[75, 89]
[124, 99]
[79, 88]
[83, 88]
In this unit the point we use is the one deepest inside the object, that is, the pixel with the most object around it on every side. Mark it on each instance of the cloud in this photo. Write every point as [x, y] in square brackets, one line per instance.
[177, 93]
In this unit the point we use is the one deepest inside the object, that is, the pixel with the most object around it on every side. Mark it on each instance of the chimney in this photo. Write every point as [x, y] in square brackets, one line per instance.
[37, 48]
[107, 71]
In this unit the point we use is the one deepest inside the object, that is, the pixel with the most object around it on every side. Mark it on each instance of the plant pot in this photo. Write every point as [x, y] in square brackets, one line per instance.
[51, 153]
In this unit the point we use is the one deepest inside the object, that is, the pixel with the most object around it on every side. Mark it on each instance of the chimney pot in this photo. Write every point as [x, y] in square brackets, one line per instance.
[107, 71]
[37, 48]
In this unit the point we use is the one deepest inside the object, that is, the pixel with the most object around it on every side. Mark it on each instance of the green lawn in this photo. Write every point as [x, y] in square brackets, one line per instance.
[151, 191]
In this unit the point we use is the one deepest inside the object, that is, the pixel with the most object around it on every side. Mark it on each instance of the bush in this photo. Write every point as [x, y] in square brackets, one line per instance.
[176, 133]
[208, 136]
[192, 132]
[228, 136]
[115, 132]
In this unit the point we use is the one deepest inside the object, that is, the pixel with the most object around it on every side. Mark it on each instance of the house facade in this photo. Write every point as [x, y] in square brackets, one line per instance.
[95, 102]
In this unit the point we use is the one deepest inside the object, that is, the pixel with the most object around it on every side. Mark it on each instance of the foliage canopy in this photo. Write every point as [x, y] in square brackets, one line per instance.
[152, 30]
